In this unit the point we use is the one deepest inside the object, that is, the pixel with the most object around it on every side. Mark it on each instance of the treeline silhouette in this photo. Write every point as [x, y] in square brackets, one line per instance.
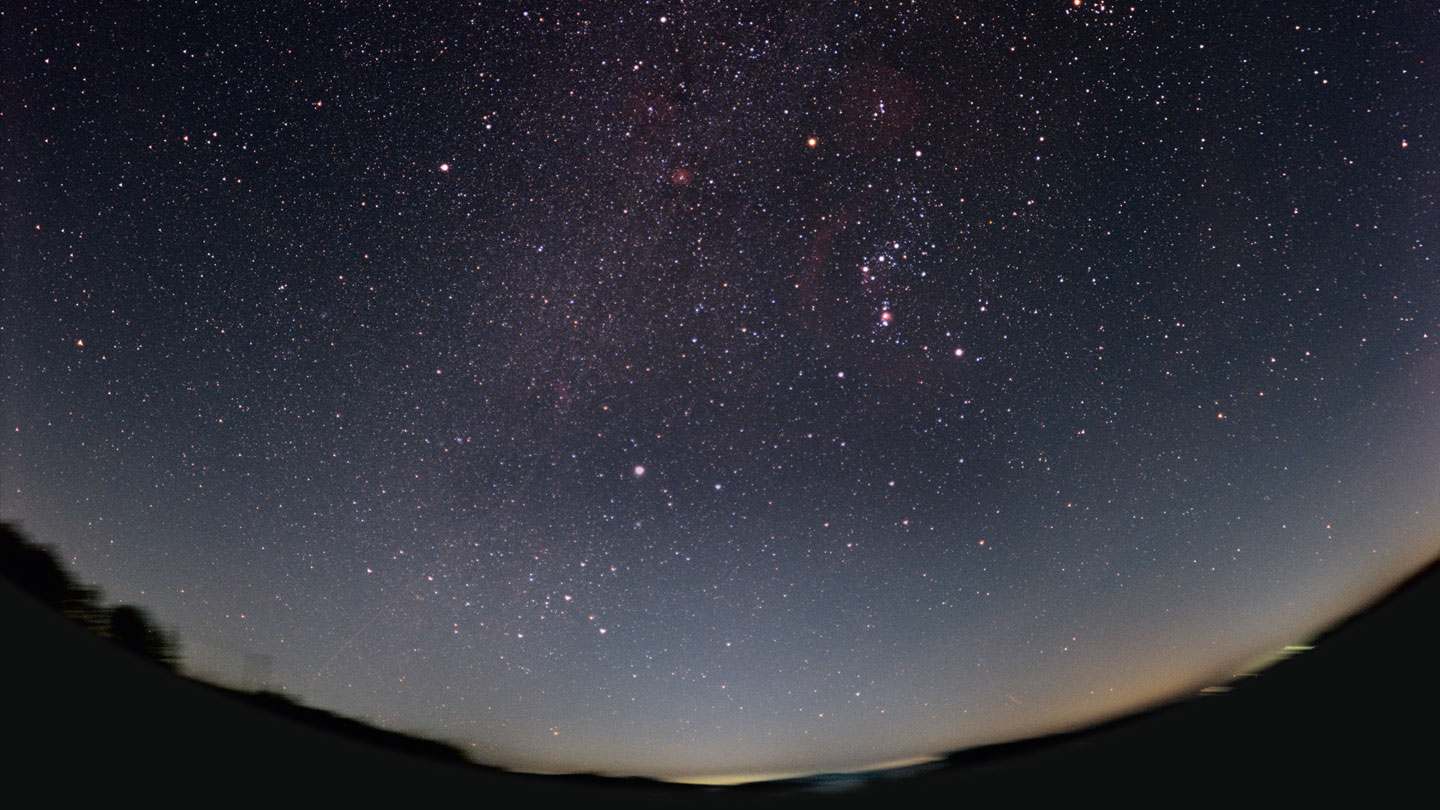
[35, 569]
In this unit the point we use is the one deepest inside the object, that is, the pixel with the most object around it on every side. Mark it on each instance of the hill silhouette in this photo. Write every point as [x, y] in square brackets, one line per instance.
[99, 722]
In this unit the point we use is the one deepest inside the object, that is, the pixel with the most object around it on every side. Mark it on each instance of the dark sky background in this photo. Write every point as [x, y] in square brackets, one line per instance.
[699, 389]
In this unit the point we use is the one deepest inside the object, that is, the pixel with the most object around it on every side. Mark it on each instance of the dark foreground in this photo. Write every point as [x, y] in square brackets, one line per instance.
[1358, 716]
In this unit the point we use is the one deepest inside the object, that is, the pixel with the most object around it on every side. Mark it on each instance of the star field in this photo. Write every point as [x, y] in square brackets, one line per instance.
[696, 389]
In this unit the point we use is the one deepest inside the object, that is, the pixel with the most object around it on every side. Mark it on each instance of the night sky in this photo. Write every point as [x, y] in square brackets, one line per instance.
[699, 390]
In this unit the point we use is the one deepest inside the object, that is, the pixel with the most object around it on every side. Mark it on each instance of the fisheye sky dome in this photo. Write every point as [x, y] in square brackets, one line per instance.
[707, 390]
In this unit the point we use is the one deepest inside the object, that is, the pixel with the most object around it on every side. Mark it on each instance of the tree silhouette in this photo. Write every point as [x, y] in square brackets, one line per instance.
[132, 628]
[35, 569]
